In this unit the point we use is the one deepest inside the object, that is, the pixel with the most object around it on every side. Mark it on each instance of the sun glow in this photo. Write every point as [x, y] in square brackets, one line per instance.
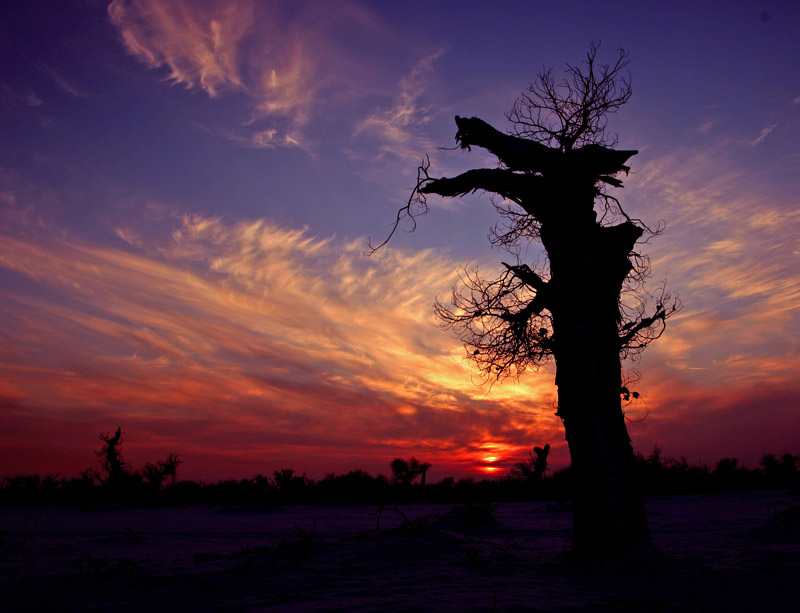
[489, 460]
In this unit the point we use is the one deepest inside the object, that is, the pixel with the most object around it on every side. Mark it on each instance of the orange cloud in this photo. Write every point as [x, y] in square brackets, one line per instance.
[199, 44]
[229, 46]
[287, 61]
[261, 333]
[730, 251]
[251, 343]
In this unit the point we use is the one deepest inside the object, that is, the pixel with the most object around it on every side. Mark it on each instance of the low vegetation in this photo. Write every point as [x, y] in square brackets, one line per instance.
[157, 483]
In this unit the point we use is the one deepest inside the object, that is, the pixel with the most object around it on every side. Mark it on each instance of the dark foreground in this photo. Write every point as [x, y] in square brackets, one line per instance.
[723, 552]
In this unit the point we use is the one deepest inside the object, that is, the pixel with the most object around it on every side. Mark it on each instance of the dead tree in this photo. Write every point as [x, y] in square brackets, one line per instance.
[404, 472]
[115, 467]
[156, 474]
[540, 465]
[532, 470]
[585, 306]
[423, 472]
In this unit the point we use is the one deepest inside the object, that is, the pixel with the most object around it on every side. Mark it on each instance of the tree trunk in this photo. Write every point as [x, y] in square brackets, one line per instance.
[587, 276]
[608, 512]
[588, 266]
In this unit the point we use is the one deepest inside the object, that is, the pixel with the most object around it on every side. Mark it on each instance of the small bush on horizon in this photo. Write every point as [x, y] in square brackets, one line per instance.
[657, 475]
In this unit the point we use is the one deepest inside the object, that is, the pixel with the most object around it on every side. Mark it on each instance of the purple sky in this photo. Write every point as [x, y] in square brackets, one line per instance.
[187, 189]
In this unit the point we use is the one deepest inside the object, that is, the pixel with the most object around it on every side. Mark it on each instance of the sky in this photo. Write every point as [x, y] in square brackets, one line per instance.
[187, 191]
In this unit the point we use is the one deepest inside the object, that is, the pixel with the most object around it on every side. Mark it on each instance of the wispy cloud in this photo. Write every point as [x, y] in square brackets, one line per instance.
[229, 46]
[766, 131]
[398, 127]
[286, 60]
[730, 250]
[250, 326]
[63, 82]
[289, 62]
[706, 126]
[31, 99]
[199, 44]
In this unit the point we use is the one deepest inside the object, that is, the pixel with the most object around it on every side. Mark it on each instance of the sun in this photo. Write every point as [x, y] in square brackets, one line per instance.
[488, 460]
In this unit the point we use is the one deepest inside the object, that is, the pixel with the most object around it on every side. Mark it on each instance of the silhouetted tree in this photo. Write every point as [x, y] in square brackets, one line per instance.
[290, 486]
[118, 474]
[532, 470]
[541, 462]
[283, 477]
[404, 472]
[152, 474]
[586, 305]
[116, 469]
[781, 472]
[169, 466]
[401, 473]
[155, 474]
[423, 472]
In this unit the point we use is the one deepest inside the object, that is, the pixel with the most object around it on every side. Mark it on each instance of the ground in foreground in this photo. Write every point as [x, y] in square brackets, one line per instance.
[724, 554]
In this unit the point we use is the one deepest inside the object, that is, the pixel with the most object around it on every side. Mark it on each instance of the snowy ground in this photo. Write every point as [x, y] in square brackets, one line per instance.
[723, 554]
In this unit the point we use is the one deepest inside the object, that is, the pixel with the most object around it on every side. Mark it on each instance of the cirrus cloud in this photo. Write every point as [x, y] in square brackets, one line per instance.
[244, 47]
[199, 45]
[262, 335]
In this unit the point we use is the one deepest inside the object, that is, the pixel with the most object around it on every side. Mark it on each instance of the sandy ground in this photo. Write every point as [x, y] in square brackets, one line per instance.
[722, 553]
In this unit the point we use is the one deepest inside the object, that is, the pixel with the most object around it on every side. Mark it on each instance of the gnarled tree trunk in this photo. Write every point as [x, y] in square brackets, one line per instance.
[589, 263]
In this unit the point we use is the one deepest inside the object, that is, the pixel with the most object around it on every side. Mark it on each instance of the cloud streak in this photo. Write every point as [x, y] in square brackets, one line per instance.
[60, 80]
[260, 333]
[399, 126]
[289, 62]
[199, 45]
[730, 250]
[243, 344]
[240, 47]
[765, 132]
[292, 64]
[247, 343]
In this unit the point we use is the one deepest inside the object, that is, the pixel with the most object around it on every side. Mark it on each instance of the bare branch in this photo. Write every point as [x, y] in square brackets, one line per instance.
[415, 206]
[574, 110]
[524, 273]
[515, 227]
[637, 331]
[501, 322]
[598, 161]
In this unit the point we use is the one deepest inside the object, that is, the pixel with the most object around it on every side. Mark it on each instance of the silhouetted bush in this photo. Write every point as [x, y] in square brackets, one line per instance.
[656, 474]
[355, 487]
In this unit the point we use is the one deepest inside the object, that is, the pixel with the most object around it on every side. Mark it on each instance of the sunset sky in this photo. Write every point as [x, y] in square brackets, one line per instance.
[187, 190]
